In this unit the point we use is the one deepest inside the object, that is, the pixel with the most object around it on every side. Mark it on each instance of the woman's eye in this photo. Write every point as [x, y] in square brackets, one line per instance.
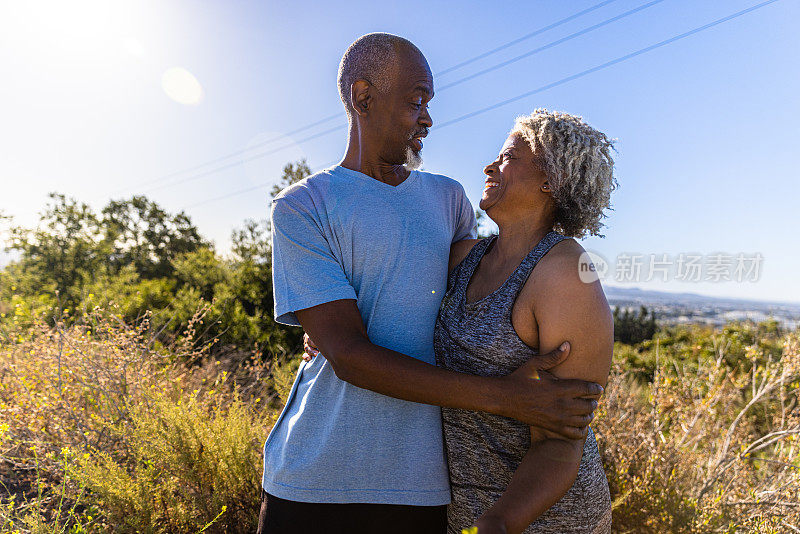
[416, 105]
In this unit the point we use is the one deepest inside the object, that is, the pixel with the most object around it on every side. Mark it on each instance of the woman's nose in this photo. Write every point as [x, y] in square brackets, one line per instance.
[489, 169]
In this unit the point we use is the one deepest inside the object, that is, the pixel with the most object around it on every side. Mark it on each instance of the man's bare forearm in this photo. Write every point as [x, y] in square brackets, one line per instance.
[398, 375]
[338, 331]
[545, 474]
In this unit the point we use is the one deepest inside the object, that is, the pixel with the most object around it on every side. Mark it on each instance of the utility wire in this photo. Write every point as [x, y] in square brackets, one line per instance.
[606, 64]
[338, 115]
[523, 38]
[340, 127]
[550, 45]
[256, 156]
[568, 78]
[236, 153]
[252, 188]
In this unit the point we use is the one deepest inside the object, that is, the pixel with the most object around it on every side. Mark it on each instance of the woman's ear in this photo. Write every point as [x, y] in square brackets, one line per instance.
[361, 97]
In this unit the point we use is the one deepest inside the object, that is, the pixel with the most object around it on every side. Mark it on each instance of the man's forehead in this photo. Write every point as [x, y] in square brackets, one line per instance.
[424, 86]
[413, 72]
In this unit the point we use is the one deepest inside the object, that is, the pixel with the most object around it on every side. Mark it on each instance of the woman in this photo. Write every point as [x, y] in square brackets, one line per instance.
[551, 182]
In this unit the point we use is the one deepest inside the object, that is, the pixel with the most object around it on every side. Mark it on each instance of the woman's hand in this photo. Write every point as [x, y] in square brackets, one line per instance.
[310, 349]
[487, 525]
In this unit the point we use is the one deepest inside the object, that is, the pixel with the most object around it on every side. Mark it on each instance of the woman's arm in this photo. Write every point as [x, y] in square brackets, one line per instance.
[459, 251]
[564, 307]
[545, 474]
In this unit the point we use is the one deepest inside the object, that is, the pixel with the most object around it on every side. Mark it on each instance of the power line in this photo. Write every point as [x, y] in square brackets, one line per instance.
[606, 64]
[572, 77]
[337, 128]
[337, 115]
[523, 38]
[550, 45]
[252, 188]
[238, 152]
[255, 156]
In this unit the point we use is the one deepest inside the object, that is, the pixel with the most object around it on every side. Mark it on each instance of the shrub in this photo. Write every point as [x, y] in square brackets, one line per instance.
[100, 428]
[709, 449]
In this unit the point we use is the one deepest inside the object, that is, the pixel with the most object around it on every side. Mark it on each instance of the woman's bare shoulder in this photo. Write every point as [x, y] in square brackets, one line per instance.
[459, 251]
[565, 271]
[563, 259]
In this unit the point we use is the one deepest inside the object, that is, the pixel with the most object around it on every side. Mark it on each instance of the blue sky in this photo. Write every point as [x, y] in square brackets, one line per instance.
[99, 98]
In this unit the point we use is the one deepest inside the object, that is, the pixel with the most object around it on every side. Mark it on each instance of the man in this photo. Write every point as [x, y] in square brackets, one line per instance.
[360, 256]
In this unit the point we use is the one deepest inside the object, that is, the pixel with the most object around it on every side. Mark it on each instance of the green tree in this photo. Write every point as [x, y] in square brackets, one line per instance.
[62, 252]
[293, 172]
[634, 327]
[139, 232]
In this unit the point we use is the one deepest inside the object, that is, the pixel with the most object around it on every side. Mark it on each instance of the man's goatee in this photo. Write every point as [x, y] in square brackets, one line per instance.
[413, 160]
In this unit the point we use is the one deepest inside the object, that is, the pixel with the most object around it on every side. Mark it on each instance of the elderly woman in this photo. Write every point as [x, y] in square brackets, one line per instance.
[550, 183]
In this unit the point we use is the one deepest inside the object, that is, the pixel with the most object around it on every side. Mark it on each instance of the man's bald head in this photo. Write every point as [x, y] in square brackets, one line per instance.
[375, 58]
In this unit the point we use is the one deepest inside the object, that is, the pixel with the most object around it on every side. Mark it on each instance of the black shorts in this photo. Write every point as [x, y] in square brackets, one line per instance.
[279, 516]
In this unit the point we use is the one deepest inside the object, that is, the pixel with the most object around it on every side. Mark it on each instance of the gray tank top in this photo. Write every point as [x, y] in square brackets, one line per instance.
[484, 450]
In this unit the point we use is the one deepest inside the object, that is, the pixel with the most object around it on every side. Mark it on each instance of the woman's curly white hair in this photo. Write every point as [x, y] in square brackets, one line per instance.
[577, 161]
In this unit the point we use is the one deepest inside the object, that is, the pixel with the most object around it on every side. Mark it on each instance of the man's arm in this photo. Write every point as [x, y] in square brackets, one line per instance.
[565, 308]
[338, 331]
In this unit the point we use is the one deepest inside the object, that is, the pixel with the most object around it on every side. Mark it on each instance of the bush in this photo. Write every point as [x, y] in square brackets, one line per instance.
[184, 466]
[705, 448]
[100, 428]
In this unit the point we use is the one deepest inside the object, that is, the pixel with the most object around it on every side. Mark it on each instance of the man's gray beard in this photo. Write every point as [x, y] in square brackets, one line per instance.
[413, 160]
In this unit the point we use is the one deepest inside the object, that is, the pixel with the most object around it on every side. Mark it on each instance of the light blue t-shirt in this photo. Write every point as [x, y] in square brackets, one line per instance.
[341, 234]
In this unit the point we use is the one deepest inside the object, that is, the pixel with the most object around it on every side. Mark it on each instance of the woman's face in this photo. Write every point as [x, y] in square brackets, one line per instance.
[513, 181]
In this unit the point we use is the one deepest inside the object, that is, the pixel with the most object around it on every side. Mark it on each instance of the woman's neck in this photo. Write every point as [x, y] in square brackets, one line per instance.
[516, 238]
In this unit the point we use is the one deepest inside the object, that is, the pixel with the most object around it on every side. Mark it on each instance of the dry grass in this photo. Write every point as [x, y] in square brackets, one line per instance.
[712, 450]
[99, 429]
[102, 429]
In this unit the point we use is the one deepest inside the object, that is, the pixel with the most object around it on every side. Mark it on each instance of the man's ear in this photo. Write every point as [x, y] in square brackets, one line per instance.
[361, 97]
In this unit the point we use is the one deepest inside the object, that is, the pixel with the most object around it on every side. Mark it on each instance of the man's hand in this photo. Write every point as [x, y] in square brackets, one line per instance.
[536, 397]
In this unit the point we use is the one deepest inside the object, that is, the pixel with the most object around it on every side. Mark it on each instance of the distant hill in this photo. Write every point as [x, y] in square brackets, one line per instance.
[694, 308]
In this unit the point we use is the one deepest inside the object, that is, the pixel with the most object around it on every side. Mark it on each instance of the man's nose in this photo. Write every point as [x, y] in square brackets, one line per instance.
[425, 118]
[489, 169]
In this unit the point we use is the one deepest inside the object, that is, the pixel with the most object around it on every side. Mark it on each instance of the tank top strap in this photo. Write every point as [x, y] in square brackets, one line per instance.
[471, 261]
[523, 272]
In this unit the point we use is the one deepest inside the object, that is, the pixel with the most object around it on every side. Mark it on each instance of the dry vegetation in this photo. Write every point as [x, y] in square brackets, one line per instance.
[102, 429]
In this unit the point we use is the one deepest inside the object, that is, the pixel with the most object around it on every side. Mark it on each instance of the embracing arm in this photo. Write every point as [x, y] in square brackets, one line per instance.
[338, 331]
[565, 308]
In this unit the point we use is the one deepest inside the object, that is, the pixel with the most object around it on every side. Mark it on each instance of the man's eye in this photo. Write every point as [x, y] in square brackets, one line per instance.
[416, 105]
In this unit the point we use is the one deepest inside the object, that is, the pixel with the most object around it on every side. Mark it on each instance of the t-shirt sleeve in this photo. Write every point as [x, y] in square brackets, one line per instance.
[305, 272]
[467, 227]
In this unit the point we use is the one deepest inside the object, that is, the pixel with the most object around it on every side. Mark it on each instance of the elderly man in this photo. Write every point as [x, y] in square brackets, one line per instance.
[360, 257]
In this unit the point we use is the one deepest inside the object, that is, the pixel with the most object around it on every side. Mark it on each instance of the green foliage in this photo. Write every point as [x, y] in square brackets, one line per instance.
[186, 467]
[100, 432]
[137, 258]
[128, 438]
[283, 374]
[292, 173]
[139, 232]
[634, 327]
